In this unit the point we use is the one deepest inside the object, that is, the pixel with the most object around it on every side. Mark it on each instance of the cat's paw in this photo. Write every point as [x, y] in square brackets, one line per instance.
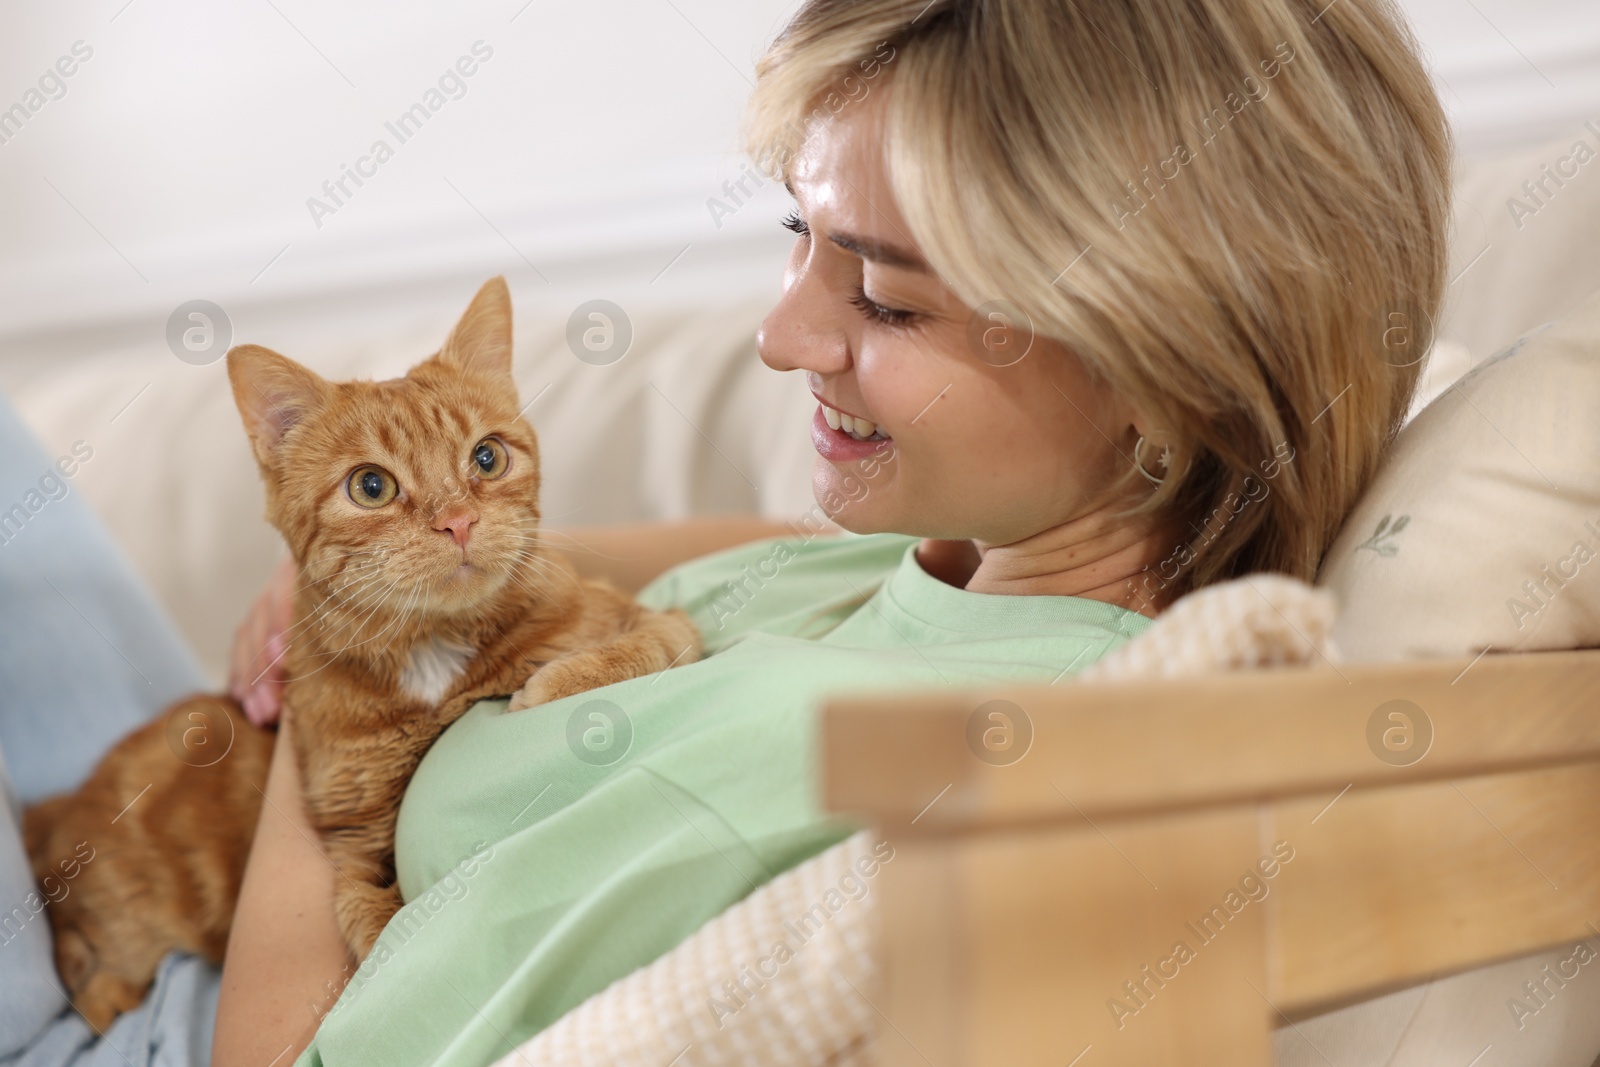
[526, 697]
[531, 695]
[105, 997]
[362, 912]
[550, 682]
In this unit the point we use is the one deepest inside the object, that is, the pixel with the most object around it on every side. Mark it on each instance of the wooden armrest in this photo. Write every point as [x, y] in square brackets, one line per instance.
[1036, 905]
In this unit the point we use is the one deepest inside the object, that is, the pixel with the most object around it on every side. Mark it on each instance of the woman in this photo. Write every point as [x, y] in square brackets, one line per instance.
[1091, 296]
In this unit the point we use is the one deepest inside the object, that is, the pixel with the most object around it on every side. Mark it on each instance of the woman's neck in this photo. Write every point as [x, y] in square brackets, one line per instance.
[1094, 557]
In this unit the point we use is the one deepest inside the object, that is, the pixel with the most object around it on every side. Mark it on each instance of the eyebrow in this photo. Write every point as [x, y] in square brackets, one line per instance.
[878, 252]
[889, 255]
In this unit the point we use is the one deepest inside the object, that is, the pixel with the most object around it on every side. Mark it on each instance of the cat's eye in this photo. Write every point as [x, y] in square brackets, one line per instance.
[490, 458]
[371, 487]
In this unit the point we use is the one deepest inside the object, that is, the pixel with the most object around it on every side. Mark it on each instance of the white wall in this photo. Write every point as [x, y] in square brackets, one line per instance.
[1512, 72]
[179, 161]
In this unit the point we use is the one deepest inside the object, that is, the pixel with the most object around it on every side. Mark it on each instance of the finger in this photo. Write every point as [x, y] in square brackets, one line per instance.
[252, 708]
[269, 702]
[262, 705]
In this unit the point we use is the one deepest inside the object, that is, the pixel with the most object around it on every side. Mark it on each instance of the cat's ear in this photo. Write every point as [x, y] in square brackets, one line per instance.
[481, 342]
[273, 393]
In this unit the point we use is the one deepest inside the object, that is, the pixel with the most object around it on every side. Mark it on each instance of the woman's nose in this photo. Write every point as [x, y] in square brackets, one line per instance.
[803, 330]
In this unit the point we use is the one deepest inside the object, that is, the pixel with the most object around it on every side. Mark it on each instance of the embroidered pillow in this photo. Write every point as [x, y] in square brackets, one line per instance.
[1482, 529]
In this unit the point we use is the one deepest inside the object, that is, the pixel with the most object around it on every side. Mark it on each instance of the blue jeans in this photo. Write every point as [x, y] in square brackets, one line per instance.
[85, 656]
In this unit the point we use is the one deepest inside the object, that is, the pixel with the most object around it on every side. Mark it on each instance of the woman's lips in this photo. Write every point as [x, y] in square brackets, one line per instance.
[836, 446]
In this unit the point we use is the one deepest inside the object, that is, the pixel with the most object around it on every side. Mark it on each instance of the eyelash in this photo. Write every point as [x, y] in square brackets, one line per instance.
[878, 313]
[873, 310]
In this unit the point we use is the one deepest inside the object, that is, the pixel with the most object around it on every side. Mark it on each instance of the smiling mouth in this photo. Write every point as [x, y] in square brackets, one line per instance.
[860, 429]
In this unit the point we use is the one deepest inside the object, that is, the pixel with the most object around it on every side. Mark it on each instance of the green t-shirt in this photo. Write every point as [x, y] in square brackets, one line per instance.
[545, 853]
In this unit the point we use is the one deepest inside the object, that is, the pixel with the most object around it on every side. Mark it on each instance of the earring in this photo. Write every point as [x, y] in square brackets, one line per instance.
[1164, 461]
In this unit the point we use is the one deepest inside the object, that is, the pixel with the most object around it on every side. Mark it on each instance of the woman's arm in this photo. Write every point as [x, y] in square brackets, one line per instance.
[630, 555]
[286, 961]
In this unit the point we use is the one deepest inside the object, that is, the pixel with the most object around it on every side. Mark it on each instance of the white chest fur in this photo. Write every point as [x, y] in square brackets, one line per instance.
[434, 666]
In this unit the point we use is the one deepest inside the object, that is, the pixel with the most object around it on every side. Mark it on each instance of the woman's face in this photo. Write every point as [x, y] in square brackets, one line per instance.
[963, 443]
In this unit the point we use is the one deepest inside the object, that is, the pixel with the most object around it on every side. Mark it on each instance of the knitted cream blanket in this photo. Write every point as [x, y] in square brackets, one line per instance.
[753, 987]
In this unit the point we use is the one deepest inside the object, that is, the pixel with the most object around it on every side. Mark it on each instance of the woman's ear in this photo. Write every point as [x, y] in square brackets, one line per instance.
[480, 344]
[273, 393]
[1153, 450]
[1149, 425]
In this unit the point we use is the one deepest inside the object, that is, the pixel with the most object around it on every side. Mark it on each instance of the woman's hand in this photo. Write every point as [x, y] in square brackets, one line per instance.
[255, 669]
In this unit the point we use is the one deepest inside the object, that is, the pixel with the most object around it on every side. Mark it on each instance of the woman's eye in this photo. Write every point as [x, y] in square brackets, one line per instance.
[795, 224]
[371, 487]
[878, 313]
[490, 458]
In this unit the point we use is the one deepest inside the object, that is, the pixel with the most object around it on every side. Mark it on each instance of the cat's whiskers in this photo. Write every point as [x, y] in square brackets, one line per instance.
[526, 523]
[522, 584]
[288, 636]
[545, 574]
[381, 603]
[357, 619]
[534, 539]
[343, 578]
[535, 562]
[335, 600]
[539, 588]
[397, 619]
[543, 571]
[346, 570]
[333, 656]
[539, 538]
[532, 535]
[316, 615]
[345, 590]
[406, 614]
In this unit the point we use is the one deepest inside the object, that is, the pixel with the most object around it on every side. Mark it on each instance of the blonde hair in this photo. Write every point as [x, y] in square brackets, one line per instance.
[1230, 210]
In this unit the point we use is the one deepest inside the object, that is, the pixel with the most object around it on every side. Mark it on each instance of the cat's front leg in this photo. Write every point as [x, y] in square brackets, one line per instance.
[364, 900]
[355, 776]
[660, 640]
[363, 911]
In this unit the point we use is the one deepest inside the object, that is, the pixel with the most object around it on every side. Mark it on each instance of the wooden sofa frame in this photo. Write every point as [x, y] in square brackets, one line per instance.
[1309, 841]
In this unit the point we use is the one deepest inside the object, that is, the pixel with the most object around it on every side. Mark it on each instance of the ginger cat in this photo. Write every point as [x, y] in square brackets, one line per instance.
[163, 843]
[411, 507]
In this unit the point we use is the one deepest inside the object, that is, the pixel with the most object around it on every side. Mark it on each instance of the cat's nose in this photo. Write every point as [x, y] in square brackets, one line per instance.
[457, 523]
